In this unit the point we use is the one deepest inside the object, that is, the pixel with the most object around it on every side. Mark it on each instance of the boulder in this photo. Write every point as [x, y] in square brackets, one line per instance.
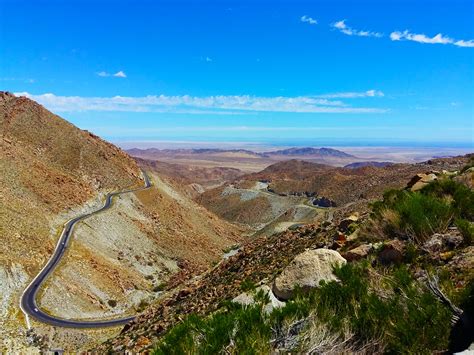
[392, 252]
[306, 271]
[346, 222]
[358, 253]
[443, 241]
[420, 180]
[247, 299]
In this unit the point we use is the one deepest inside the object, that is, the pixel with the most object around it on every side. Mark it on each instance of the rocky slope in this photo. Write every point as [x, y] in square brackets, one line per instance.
[345, 185]
[118, 260]
[48, 166]
[195, 179]
[390, 296]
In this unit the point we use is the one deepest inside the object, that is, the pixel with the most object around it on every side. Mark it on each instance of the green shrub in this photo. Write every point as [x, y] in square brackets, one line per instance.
[401, 316]
[235, 328]
[412, 214]
[411, 253]
[462, 197]
[407, 319]
[467, 230]
[247, 285]
[422, 213]
[160, 287]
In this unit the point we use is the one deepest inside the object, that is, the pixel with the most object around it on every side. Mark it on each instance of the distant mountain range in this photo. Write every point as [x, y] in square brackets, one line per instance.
[293, 152]
[308, 151]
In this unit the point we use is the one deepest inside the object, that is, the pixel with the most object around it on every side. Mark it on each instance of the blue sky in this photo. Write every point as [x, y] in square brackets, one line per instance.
[276, 72]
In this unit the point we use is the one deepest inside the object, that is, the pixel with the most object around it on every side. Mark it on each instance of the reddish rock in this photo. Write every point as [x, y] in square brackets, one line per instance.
[358, 253]
[392, 252]
[345, 223]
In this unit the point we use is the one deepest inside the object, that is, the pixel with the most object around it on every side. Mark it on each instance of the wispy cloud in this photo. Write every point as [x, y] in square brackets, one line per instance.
[353, 95]
[309, 20]
[206, 105]
[344, 28]
[422, 38]
[119, 74]
[25, 80]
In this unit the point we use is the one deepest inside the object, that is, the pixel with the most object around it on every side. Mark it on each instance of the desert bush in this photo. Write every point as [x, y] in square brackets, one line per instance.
[233, 329]
[401, 318]
[467, 230]
[404, 318]
[418, 215]
[461, 197]
[412, 214]
[247, 285]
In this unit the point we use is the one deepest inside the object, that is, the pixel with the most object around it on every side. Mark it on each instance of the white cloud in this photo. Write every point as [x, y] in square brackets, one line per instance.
[342, 27]
[27, 80]
[120, 74]
[463, 43]
[309, 20]
[206, 105]
[353, 95]
[422, 38]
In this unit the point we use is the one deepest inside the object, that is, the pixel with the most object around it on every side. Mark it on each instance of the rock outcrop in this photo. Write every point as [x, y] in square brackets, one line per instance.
[421, 180]
[392, 252]
[306, 271]
[247, 299]
[358, 253]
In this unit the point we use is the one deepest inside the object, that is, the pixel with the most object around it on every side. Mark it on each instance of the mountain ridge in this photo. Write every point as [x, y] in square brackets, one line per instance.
[294, 151]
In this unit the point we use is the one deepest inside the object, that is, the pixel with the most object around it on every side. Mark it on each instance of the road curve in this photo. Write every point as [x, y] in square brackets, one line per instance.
[28, 298]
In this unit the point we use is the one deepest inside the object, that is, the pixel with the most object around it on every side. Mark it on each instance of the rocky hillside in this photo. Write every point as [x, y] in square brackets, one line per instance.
[196, 179]
[388, 281]
[48, 166]
[295, 192]
[118, 260]
[344, 185]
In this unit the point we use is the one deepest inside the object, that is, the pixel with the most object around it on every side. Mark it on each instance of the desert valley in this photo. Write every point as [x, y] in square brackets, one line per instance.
[236, 177]
[199, 235]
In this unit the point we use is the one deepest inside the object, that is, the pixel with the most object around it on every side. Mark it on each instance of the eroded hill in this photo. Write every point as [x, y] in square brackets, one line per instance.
[118, 260]
[404, 273]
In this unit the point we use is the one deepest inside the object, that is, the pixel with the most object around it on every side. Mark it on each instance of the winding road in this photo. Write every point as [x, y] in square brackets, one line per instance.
[28, 299]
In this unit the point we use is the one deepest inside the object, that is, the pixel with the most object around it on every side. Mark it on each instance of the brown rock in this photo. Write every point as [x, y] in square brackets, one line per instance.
[421, 180]
[358, 253]
[345, 223]
[392, 252]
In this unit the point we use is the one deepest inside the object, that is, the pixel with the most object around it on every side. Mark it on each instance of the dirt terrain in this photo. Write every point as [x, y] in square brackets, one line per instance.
[295, 192]
[118, 260]
[242, 159]
[259, 260]
[48, 167]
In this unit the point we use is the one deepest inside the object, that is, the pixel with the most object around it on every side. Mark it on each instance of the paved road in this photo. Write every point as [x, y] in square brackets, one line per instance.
[28, 299]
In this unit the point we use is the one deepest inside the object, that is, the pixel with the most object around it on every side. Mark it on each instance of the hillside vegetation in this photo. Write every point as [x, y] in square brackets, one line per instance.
[408, 277]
